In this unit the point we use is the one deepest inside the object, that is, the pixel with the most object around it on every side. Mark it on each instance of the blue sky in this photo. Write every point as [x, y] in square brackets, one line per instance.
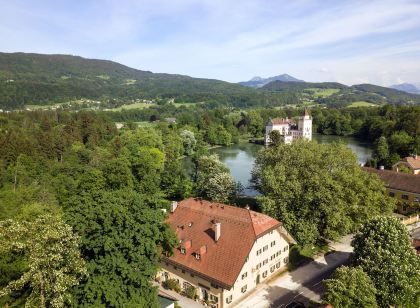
[342, 40]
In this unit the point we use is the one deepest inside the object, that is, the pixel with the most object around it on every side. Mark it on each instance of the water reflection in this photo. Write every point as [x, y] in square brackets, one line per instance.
[240, 157]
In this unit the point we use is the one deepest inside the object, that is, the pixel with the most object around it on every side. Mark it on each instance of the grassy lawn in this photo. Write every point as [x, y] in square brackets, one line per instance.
[185, 104]
[317, 93]
[130, 81]
[132, 106]
[36, 107]
[361, 104]
[299, 255]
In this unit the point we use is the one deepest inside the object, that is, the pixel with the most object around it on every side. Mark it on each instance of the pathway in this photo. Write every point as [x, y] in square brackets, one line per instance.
[302, 284]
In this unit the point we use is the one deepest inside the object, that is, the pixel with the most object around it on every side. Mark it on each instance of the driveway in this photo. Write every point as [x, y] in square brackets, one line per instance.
[303, 284]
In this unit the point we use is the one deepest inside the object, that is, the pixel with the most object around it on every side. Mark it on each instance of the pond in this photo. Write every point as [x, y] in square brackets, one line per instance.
[239, 158]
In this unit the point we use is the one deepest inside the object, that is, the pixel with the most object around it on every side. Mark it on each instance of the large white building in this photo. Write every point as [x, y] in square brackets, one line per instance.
[288, 129]
[225, 251]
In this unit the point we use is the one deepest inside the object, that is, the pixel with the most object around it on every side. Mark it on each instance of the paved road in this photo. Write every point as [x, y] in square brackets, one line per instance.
[302, 284]
[415, 233]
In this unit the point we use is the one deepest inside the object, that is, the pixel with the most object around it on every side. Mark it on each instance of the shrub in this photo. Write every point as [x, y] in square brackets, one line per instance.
[172, 284]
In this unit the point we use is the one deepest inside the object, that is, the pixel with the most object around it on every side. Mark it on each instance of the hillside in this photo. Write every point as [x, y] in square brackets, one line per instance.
[258, 82]
[339, 95]
[49, 79]
[37, 80]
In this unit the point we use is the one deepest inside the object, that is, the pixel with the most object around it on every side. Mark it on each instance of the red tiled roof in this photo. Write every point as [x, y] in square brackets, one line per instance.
[278, 121]
[221, 261]
[413, 162]
[398, 180]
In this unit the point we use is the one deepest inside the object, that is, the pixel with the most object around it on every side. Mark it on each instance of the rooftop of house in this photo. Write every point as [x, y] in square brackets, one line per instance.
[280, 121]
[412, 161]
[220, 260]
[398, 180]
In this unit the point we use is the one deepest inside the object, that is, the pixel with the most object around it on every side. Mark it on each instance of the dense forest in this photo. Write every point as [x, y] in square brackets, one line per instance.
[74, 173]
[399, 125]
[78, 196]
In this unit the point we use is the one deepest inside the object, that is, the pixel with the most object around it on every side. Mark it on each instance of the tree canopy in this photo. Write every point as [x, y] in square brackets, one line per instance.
[350, 287]
[382, 248]
[317, 190]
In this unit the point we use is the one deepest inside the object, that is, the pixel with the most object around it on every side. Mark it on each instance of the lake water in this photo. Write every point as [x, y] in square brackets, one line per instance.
[240, 157]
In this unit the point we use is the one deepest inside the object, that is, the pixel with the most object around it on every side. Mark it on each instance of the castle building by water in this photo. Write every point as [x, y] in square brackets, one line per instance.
[288, 128]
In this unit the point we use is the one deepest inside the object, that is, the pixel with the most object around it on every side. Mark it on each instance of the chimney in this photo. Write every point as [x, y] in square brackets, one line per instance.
[381, 167]
[203, 250]
[217, 230]
[174, 205]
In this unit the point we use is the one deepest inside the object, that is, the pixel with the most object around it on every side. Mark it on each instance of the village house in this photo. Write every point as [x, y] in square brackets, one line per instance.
[288, 129]
[402, 186]
[411, 163]
[224, 251]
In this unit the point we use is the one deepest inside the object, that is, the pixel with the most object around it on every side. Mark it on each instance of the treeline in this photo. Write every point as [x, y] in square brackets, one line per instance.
[395, 130]
[399, 125]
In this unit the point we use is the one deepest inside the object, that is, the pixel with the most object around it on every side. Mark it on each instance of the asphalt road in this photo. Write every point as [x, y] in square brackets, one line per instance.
[415, 233]
[303, 284]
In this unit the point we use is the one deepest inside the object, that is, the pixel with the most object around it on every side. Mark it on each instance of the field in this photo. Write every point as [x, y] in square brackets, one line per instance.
[132, 106]
[319, 93]
[361, 104]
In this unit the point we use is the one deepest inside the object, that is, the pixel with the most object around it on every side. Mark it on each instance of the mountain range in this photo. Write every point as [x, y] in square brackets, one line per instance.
[257, 82]
[407, 87]
[38, 79]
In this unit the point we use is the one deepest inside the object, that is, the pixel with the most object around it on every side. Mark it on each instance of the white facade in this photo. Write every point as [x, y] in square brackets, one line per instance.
[288, 130]
[268, 256]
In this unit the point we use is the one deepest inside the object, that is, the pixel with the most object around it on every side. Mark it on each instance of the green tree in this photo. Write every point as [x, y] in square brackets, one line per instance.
[255, 123]
[317, 188]
[275, 138]
[54, 259]
[122, 238]
[214, 180]
[189, 142]
[402, 143]
[350, 287]
[383, 249]
[381, 152]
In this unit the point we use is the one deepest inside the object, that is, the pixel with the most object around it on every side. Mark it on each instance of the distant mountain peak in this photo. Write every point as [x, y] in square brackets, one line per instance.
[256, 78]
[257, 81]
[407, 87]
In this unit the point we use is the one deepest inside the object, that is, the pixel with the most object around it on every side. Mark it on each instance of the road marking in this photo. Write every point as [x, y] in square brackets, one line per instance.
[298, 295]
[315, 284]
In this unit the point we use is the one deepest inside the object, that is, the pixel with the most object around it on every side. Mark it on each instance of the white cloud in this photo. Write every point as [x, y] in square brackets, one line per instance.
[231, 40]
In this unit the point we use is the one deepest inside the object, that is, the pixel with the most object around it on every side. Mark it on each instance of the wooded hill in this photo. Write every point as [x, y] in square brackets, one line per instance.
[36, 79]
[47, 79]
[344, 95]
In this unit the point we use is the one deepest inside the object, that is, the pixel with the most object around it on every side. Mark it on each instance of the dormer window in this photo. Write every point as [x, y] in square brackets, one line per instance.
[183, 250]
[197, 256]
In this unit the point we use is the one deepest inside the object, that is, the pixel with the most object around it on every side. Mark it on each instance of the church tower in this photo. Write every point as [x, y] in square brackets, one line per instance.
[305, 125]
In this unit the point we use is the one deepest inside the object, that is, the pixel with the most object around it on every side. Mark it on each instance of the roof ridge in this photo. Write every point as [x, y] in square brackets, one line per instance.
[252, 223]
